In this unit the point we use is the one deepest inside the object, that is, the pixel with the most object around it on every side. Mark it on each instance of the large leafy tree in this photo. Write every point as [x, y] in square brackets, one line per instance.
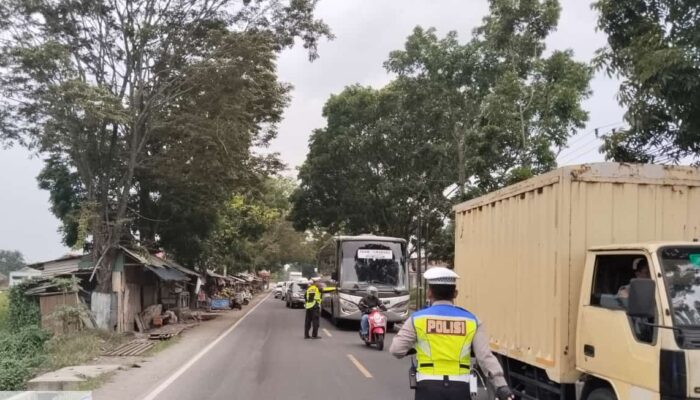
[654, 48]
[475, 115]
[364, 170]
[146, 110]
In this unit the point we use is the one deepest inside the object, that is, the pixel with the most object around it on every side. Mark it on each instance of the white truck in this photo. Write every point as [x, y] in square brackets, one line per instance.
[587, 280]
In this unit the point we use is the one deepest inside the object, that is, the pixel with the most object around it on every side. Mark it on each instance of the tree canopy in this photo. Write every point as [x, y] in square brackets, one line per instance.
[459, 119]
[147, 111]
[654, 48]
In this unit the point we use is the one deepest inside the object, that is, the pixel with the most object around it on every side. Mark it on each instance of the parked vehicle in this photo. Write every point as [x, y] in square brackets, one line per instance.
[578, 300]
[377, 329]
[357, 262]
[295, 294]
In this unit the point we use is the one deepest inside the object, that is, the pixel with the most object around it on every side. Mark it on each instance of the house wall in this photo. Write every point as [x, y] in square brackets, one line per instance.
[49, 304]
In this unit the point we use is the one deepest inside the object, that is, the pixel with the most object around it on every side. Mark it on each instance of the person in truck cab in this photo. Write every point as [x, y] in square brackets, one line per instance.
[366, 305]
[641, 271]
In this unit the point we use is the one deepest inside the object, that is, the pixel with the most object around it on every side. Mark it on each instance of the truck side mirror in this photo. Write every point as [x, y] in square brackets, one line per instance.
[642, 298]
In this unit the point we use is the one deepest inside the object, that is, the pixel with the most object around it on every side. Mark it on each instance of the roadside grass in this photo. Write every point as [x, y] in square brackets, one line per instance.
[79, 347]
[94, 383]
[162, 345]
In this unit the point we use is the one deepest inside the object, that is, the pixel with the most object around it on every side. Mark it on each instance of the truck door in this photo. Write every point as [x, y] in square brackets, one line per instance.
[610, 345]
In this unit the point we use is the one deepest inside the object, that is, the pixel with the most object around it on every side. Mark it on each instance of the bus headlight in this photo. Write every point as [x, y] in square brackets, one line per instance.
[348, 306]
[400, 306]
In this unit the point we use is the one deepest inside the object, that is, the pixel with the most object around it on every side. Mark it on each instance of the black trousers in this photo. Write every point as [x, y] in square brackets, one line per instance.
[442, 390]
[312, 318]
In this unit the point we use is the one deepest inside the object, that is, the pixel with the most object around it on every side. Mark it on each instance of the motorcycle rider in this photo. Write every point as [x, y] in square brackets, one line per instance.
[370, 301]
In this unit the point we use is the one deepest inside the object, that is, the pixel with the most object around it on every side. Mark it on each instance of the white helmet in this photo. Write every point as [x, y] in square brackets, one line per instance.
[372, 291]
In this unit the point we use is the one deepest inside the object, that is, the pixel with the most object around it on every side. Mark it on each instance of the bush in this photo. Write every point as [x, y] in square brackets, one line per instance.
[20, 353]
[3, 310]
[23, 311]
[13, 374]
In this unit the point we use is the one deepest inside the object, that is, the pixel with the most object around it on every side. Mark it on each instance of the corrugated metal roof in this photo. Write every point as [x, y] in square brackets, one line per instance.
[187, 271]
[168, 274]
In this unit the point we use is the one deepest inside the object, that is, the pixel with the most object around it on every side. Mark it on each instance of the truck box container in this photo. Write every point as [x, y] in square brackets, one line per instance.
[520, 251]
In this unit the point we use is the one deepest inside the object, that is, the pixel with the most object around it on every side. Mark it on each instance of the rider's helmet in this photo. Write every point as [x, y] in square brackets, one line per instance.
[372, 291]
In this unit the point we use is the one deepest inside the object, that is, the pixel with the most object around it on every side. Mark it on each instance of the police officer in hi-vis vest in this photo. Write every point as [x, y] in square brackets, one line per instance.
[312, 304]
[443, 337]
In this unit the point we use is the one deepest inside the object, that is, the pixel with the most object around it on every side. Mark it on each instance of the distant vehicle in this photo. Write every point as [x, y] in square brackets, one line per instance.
[357, 262]
[295, 294]
[278, 290]
[294, 275]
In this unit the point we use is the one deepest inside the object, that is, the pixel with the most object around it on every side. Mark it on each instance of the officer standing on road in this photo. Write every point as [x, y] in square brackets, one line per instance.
[443, 337]
[312, 304]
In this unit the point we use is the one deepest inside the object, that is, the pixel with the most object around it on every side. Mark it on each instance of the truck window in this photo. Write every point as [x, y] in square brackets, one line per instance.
[611, 279]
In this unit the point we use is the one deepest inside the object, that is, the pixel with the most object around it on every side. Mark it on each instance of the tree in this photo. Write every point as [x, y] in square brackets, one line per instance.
[478, 115]
[10, 261]
[653, 47]
[147, 110]
[366, 172]
[252, 232]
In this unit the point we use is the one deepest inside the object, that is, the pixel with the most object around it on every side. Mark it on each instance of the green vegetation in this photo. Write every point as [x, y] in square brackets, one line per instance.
[3, 310]
[653, 49]
[149, 127]
[78, 348]
[469, 116]
[21, 340]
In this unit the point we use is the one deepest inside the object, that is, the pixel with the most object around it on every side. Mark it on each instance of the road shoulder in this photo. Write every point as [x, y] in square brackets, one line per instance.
[144, 375]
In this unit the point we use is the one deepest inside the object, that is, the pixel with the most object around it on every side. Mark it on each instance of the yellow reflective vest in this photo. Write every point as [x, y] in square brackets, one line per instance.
[312, 297]
[444, 335]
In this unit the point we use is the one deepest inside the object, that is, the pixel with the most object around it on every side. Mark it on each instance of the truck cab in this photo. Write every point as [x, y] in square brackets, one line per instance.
[638, 329]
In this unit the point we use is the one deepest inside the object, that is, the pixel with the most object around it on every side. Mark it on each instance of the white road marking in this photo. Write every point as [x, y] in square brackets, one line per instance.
[190, 363]
[359, 366]
[327, 332]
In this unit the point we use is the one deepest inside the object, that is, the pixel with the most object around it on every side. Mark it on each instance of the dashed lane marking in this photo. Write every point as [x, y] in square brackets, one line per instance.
[360, 367]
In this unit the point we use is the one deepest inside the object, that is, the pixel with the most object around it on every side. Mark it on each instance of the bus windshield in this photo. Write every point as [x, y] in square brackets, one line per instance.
[681, 269]
[367, 263]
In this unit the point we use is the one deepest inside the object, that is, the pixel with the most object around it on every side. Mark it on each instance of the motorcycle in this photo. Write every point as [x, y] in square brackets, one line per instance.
[377, 329]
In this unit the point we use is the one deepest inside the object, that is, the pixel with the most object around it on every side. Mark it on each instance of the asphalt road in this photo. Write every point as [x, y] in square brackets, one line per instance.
[266, 357]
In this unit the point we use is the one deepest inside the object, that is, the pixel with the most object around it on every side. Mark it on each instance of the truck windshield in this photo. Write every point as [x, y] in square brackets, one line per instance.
[373, 263]
[681, 270]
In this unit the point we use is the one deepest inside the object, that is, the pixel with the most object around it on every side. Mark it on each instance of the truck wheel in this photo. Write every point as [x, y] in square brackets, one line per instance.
[602, 394]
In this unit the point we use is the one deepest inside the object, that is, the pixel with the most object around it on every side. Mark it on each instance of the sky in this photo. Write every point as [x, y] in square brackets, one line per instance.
[366, 31]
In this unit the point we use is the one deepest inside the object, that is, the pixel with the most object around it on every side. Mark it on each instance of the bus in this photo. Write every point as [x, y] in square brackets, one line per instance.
[356, 262]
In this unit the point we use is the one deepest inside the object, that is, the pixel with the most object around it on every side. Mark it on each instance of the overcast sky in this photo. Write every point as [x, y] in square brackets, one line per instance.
[366, 31]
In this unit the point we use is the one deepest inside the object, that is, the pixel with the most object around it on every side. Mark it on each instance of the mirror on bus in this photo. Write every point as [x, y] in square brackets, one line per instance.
[642, 298]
